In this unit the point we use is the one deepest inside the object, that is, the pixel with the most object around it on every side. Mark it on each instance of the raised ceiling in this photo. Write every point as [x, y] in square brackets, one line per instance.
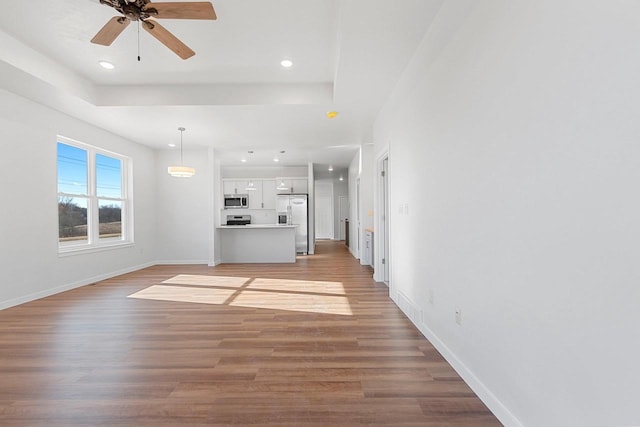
[233, 95]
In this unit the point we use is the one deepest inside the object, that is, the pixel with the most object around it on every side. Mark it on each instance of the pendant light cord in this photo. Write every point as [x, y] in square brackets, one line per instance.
[181, 129]
[138, 41]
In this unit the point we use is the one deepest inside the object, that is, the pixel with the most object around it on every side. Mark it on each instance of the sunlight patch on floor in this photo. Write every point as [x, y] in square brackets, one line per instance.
[184, 294]
[309, 303]
[199, 280]
[334, 288]
[274, 294]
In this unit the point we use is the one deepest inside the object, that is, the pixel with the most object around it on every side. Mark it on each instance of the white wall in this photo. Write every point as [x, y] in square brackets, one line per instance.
[354, 179]
[216, 196]
[361, 169]
[312, 208]
[29, 258]
[514, 141]
[243, 172]
[184, 209]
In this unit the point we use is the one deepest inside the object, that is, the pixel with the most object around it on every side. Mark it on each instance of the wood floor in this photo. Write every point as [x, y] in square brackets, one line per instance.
[315, 343]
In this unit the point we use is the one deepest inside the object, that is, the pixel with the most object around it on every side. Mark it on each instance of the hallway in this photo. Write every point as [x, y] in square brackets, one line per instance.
[312, 343]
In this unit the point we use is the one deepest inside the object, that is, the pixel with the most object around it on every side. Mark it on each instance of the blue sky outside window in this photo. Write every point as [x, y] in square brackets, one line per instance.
[72, 169]
[108, 176]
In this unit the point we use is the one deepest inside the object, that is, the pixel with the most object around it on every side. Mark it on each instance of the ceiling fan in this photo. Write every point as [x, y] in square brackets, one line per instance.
[146, 13]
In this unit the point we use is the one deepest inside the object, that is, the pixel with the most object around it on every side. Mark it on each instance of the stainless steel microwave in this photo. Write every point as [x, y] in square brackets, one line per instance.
[236, 201]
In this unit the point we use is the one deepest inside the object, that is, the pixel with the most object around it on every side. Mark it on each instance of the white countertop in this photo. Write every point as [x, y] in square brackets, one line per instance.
[250, 226]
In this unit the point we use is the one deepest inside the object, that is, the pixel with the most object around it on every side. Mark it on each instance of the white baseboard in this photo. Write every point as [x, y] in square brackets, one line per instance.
[488, 398]
[182, 262]
[84, 282]
[354, 253]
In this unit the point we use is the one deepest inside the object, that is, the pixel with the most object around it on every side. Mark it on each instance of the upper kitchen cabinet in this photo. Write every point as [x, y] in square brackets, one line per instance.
[291, 185]
[283, 186]
[269, 194]
[234, 187]
[299, 186]
[264, 195]
[255, 196]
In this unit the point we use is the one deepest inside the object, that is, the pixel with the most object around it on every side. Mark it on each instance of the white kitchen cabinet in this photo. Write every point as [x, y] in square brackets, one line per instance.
[234, 187]
[269, 194]
[263, 197]
[229, 187]
[299, 186]
[292, 186]
[255, 196]
[283, 186]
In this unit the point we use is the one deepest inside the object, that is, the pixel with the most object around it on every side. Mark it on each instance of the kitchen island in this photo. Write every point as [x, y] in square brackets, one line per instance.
[257, 243]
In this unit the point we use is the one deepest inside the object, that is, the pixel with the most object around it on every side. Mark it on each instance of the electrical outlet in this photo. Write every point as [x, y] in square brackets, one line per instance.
[458, 315]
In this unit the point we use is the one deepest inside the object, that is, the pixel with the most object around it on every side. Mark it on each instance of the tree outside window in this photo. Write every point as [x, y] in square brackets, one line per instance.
[93, 199]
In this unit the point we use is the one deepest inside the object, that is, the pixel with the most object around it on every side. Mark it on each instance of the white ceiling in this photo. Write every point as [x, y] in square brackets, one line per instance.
[233, 95]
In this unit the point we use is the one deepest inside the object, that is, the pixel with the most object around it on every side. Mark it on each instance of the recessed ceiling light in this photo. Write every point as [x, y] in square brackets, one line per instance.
[341, 179]
[330, 168]
[243, 160]
[106, 65]
[332, 114]
[286, 63]
[275, 159]
[172, 145]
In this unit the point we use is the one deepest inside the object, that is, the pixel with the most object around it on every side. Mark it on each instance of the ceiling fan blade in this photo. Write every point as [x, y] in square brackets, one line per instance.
[178, 10]
[110, 31]
[167, 39]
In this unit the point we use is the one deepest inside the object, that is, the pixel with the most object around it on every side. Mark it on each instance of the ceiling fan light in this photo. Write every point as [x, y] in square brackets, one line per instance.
[181, 171]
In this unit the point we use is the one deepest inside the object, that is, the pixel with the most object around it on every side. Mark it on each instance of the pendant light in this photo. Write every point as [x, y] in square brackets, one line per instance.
[181, 171]
[282, 186]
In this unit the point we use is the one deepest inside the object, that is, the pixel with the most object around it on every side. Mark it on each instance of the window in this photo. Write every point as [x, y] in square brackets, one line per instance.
[94, 198]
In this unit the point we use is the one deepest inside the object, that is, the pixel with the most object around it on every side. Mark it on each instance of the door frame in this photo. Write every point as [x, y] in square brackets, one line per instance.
[382, 220]
[328, 185]
[342, 228]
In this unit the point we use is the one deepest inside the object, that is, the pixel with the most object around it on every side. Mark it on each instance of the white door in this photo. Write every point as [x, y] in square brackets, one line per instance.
[385, 221]
[343, 202]
[324, 210]
[324, 222]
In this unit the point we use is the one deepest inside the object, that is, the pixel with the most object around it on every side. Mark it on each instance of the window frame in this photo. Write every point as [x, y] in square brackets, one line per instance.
[93, 242]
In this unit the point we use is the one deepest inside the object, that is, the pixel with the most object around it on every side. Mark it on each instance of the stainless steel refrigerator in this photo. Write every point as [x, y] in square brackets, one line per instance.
[296, 207]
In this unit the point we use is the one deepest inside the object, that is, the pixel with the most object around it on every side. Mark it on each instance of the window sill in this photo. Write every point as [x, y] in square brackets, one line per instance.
[88, 250]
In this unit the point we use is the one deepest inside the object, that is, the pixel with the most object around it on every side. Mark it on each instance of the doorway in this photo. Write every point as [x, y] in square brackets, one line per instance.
[385, 221]
[343, 212]
[324, 210]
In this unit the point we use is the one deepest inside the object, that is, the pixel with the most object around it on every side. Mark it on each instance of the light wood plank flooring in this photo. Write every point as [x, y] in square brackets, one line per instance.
[315, 343]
